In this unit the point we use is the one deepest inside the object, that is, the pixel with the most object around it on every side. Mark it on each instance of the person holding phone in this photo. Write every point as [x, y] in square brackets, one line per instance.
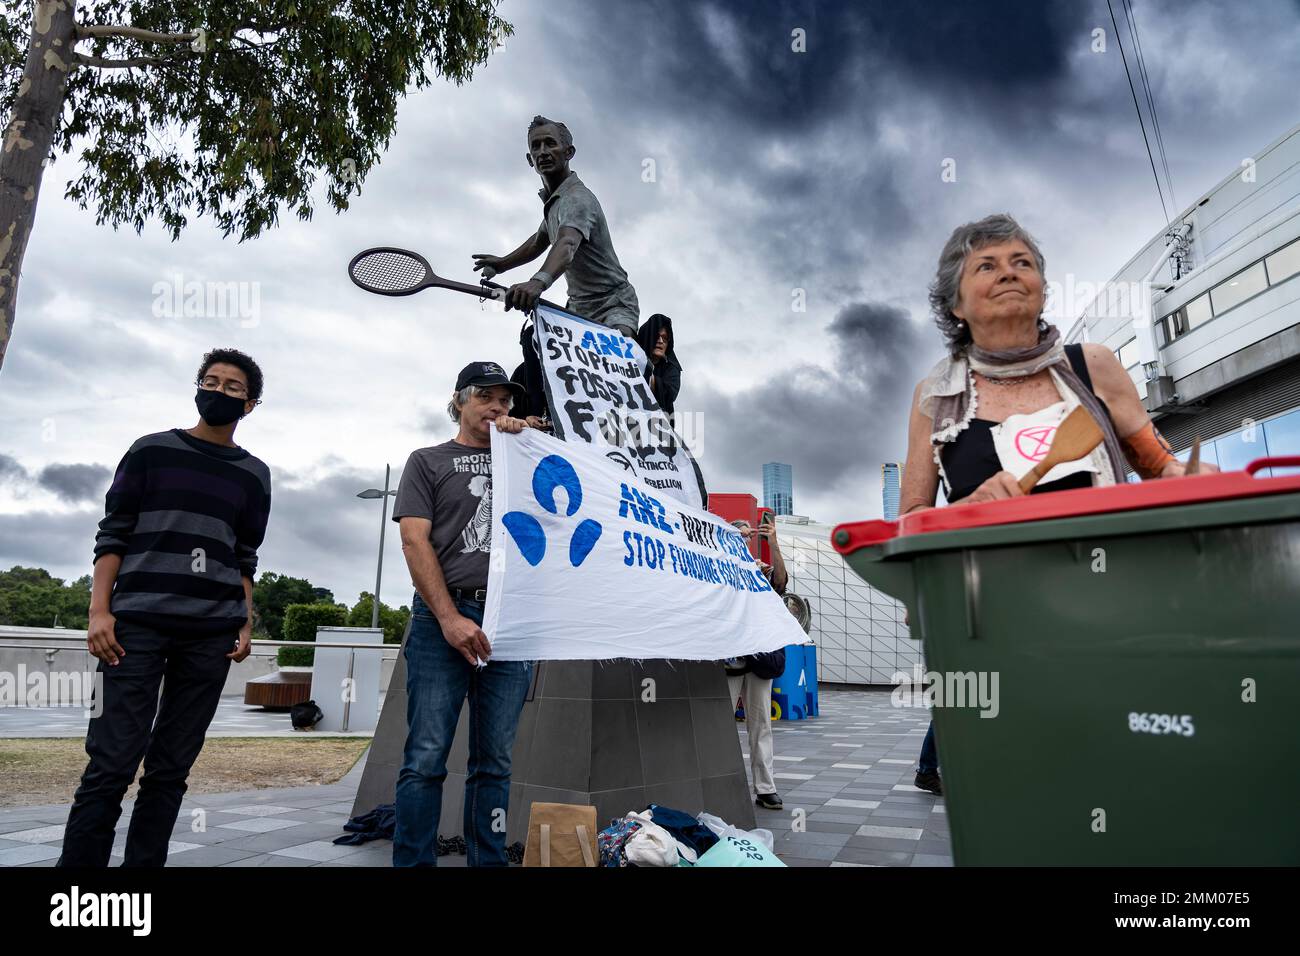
[172, 596]
[751, 676]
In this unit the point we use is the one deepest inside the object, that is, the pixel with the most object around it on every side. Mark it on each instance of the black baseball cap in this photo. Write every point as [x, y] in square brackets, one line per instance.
[484, 374]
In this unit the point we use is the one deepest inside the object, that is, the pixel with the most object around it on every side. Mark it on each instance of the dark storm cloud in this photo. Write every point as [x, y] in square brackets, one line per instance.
[319, 530]
[829, 420]
[736, 62]
[61, 542]
[76, 483]
[11, 470]
[811, 138]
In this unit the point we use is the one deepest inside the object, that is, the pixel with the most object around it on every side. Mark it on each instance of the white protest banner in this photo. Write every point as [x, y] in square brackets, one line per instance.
[597, 392]
[588, 563]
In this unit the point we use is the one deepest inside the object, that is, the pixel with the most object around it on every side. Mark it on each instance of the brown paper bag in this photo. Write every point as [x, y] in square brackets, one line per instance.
[561, 834]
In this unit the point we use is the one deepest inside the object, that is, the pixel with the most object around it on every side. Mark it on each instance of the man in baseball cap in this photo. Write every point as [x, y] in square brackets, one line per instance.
[484, 375]
[444, 509]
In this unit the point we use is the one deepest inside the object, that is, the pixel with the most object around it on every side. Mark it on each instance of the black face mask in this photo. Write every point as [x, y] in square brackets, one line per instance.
[217, 408]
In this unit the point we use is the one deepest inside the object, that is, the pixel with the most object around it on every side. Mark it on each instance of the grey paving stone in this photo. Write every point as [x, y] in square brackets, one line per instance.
[375, 857]
[49, 833]
[320, 851]
[844, 818]
[882, 843]
[853, 854]
[28, 853]
[209, 856]
[938, 847]
[826, 826]
[808, 851]
[262, 824]
[791, 841]
[267, 859]
[266, 842]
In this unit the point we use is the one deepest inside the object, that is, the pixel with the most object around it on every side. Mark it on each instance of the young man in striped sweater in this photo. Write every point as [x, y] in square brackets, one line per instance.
[172, 597]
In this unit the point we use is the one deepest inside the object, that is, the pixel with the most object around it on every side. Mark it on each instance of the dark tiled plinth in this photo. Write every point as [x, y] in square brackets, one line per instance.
[617, 735]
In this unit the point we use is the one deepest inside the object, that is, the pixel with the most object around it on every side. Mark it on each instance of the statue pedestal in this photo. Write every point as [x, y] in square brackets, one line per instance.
[594, 733]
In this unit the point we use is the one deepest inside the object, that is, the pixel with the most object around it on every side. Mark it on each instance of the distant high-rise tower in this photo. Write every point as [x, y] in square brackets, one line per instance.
[778, 488]
[889, 483]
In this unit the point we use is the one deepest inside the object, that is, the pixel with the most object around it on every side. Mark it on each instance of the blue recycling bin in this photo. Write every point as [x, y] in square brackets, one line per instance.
[794, 693]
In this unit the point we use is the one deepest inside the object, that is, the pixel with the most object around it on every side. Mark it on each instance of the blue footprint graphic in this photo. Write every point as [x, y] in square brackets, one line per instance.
[551, 473]
[528, 534]
[554, 472]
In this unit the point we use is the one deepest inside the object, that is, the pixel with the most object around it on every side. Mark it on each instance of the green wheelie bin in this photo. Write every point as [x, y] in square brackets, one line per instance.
[1114, 672]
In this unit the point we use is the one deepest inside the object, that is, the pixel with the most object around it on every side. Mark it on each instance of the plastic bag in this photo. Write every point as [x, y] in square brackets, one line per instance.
[724, 829]
[731, 851]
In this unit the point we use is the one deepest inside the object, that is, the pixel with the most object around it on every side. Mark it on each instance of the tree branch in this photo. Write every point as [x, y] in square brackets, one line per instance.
[133, 33]
[87, 60]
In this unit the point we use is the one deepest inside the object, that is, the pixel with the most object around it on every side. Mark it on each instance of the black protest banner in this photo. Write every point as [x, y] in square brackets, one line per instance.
[598, 394]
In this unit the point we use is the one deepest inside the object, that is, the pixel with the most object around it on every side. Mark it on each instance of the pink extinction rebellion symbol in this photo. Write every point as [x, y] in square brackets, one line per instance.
[1034, 442]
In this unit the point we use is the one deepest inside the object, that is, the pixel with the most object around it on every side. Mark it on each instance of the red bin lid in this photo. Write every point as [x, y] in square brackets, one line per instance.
[1215, 486]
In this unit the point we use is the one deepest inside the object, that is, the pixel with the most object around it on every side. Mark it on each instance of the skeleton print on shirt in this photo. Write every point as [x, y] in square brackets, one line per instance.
[477, 535]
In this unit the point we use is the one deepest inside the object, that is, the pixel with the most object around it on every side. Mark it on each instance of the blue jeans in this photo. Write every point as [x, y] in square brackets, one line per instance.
[438, 679]
[929, 753]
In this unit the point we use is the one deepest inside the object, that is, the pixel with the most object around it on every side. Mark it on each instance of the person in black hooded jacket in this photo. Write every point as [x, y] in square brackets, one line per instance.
[664, 372]
[528, 375]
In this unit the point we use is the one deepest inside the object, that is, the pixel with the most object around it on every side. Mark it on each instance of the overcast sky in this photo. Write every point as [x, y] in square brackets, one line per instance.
[773, 171]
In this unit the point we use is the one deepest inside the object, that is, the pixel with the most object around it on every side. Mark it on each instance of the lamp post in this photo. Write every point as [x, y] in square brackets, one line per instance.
[383, 523]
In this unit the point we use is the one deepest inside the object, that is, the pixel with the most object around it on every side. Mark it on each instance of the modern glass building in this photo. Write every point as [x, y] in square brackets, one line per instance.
[859, 632]
[778, 488]
[1206, 316]
[889, 489]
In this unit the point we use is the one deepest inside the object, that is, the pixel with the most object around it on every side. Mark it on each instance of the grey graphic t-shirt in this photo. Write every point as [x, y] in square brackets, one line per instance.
[451, 485]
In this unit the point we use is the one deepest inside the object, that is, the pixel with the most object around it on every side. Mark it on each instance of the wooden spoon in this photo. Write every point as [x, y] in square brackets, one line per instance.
[1076, 437]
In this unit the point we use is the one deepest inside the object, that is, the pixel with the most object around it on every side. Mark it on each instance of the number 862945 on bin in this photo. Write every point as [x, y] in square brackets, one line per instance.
[1161, 724]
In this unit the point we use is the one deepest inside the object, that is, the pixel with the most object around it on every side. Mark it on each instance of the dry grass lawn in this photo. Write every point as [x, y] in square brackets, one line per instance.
[36, 770]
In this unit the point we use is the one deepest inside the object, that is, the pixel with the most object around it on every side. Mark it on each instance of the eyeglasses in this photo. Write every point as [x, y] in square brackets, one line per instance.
[233, 389]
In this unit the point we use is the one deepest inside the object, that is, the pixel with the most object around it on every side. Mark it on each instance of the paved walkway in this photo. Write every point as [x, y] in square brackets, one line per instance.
[234, 719]
[849, 771]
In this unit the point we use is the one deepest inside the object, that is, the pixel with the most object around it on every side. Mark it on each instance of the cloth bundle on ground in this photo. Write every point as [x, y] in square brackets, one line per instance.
[378, 824]
[662, 836]
[612, 839]
[655, 836]
[685, 829]
[652, 845]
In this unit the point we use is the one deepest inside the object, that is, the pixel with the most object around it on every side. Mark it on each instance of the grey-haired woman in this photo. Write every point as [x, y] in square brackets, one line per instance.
[987, 411]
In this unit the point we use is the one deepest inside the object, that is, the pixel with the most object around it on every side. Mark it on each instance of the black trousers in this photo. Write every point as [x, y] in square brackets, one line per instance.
[191, 668]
